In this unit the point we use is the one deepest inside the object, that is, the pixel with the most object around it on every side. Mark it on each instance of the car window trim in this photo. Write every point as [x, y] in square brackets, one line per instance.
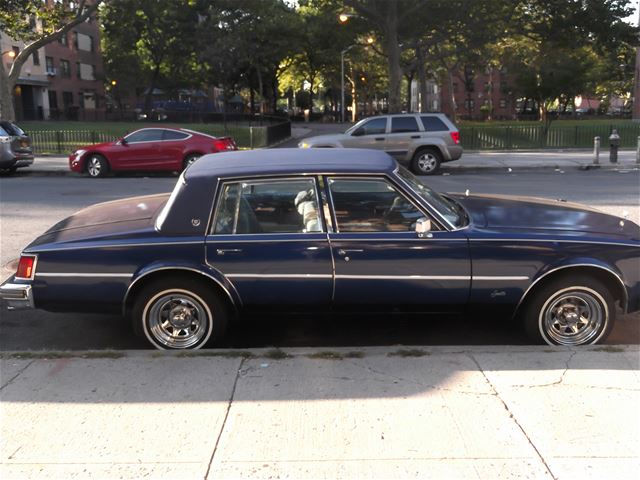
[389, 180]
[156, 141]
[223, 182]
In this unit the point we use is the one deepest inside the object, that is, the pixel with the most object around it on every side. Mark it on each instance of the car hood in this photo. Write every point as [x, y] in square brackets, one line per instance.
[109, 219]
[335, 138]
[536, 214]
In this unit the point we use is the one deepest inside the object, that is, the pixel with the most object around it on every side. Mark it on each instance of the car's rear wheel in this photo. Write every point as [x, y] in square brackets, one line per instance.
[179, 315]
[570, 311]
[8, 171]
[97, 166]
[190, 159]
[426, 162]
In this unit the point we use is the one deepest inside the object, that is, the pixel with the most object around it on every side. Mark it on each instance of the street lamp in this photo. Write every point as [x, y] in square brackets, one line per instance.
[10, 53]
[370, 40]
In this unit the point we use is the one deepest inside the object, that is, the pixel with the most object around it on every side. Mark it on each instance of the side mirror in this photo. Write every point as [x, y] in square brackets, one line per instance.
[122, 141]
[358, 133]
[423, 228]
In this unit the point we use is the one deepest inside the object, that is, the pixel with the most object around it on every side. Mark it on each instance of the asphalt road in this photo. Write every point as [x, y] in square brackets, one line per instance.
[29, 205]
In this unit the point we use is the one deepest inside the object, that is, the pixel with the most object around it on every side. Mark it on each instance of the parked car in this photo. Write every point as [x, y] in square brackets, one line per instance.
[420, 141]
[331, 230]
[148, 149]
[15, 147]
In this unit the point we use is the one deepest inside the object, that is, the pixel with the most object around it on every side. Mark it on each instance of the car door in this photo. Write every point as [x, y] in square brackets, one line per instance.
[403, 131]
[371, 134]
[139, 151]
[379, 258]
[268, 238]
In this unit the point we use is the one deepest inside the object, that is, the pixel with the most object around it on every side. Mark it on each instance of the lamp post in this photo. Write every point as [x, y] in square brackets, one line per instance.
[370, 40]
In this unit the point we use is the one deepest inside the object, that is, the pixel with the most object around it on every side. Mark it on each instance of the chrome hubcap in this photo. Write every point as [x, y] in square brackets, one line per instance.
[427, 162]
[574, 317]
[178, 320]
[94, 167]
[192, 160]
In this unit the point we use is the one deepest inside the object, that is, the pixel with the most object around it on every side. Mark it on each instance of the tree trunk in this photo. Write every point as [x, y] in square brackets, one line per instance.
[260, 90]
[422, 80]
[7, 112]
[409, 96]
[392, 49]
[452, 96]
[148, 100]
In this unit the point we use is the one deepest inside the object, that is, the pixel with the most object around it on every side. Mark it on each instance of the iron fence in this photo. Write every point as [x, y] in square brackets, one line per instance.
[523, 137]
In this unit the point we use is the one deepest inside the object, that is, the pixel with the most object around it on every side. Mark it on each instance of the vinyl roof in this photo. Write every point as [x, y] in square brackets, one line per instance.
[291, 161]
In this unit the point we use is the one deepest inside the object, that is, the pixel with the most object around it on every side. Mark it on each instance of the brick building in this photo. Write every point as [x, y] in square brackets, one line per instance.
[636, 89]
[74, 67]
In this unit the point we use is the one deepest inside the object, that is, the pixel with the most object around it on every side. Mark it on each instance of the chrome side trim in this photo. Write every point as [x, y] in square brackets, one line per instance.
[279, 275]
[405, 277]
[488, 278]
[224, 288]
[545, 240]
[116, 245]
[535, 282]
[85, 275]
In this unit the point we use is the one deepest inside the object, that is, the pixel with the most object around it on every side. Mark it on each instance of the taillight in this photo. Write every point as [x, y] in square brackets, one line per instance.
[26, 267]
[455, 136]
[224, 144]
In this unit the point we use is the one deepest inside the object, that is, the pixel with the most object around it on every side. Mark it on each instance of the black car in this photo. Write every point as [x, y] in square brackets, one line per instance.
[15, 147]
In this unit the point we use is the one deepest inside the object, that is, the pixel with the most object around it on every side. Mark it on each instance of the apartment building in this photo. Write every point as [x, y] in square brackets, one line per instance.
[30, 97]
[74, 68]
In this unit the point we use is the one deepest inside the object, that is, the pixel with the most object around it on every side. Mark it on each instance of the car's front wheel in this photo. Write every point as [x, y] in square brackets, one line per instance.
[180, 315]
[570, 311]
[97, 166]
[426, 162]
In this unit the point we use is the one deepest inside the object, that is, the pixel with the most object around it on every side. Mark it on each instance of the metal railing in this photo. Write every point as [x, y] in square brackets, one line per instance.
[523, 137]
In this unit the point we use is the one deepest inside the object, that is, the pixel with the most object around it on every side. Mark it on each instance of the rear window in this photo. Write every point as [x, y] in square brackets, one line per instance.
[404, 124]
[434, 124]
[11, 129]
[174, 135]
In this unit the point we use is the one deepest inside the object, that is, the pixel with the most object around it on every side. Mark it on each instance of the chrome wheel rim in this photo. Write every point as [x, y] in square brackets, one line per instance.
[177, 319]
[427, 162]
[574, 316]
[94, 167]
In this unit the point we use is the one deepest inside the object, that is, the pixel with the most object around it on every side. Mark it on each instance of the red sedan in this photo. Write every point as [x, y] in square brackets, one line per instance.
[148, 149]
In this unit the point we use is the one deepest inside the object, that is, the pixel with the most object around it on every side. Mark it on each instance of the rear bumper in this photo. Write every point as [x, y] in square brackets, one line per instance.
[17, 160]
[16, 296]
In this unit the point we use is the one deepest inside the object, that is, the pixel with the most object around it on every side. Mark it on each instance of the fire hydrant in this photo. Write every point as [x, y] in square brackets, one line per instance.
[614, 144]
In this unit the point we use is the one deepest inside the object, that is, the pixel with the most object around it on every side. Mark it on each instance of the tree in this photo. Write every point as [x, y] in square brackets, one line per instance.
[36, 23]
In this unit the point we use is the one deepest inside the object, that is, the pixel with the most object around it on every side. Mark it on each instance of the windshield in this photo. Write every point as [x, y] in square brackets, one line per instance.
[448, 209]
[356, 126]
[12, 129]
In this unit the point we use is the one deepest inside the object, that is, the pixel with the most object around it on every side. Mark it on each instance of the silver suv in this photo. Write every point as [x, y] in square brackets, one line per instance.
[419, 140]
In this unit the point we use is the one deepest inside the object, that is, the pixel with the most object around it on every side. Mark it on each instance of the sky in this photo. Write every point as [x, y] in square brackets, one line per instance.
[633, 19]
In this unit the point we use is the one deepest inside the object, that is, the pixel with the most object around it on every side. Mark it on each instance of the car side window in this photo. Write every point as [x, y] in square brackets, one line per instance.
[173, 135]
[148, 135]
[371, 206]
[433, 124]
[275, 206]
[404, 124]
[375, 126]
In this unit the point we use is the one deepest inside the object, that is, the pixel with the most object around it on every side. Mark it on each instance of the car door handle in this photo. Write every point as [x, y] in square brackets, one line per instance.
[224, 251]
[343, 252]
[415, 136]
[379, 139]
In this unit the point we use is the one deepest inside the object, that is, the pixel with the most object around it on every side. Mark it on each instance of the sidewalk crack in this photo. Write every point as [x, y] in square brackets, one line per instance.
[16, 375]
[226, 415]
[515, 420]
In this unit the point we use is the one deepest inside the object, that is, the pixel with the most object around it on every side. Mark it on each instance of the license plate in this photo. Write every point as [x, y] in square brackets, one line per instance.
[24, 144]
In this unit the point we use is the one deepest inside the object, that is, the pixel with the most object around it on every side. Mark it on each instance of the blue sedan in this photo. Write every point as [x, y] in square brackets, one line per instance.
[328, 231]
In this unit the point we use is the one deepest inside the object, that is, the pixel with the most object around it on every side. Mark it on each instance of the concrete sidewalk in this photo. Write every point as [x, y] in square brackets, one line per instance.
[470, 161]
[466, 412]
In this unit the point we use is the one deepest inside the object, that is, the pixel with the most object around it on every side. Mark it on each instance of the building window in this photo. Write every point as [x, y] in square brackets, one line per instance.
[53, 100]
[64, 40]
[75, 40]
[469, 104]
[65, 68]
[36, 58]
[49, 64]
[67, 99]
[503, 103]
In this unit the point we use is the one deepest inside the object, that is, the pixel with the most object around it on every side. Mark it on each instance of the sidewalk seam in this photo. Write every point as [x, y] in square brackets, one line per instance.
[16, 375]
[226, 415]
[515, 420]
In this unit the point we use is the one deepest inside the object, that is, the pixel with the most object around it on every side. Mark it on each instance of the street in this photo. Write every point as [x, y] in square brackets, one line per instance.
[31, 204]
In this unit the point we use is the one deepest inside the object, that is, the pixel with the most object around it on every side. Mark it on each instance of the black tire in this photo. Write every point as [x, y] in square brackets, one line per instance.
[426, 161]
[8, 171]
[189, 159]
[96, 166]
[556, 312]
[200, 316]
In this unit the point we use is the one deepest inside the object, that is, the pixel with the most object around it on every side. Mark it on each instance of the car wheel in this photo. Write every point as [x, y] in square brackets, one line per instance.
[8, 171]
[189, 159]
[179, 315]
[570, 312]
[426, 162]
[97, 166]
